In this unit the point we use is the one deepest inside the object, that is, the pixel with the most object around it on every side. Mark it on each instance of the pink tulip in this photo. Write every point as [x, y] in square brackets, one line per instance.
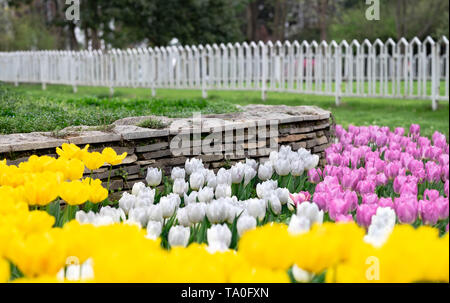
[364, 214]
[443, 207]
[352, 199]
[338, 207]
[314, 175]
[391, 169]
[386, 202]
[301, 197]
[433, 171]
[321, 199]
[406, 208]
[429, 212]
[370, 199]
[414, 129]
[366, 187]
[381, 179]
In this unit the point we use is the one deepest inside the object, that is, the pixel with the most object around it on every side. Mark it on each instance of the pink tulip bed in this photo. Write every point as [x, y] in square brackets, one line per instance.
[372, 167]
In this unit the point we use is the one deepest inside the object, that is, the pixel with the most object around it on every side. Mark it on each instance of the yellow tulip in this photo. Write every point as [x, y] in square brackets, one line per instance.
[74, 193]
[93, 160]
[111, 156]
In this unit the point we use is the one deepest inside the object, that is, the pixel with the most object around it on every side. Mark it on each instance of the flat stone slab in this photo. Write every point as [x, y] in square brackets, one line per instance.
[127, 130]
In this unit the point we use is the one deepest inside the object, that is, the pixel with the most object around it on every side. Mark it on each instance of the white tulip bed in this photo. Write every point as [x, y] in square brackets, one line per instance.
[217, 209]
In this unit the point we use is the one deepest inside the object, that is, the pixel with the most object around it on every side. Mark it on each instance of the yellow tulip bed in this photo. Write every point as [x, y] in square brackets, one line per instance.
[38, 235]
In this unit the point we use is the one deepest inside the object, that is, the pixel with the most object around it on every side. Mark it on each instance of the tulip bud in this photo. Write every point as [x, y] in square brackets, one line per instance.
[249, 174]
[265, 171]
[282, 167]
[178, 173]
[180, 187]
[196, 180]
[154, 176]
[167, 206]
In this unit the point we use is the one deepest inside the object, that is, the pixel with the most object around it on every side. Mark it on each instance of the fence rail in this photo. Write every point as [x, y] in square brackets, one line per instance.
[412, 70]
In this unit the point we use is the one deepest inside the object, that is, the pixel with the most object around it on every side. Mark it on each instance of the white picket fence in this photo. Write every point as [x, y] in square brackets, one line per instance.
[411, 70]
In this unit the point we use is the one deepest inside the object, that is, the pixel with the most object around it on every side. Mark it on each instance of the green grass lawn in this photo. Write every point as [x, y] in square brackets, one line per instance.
[28, 108]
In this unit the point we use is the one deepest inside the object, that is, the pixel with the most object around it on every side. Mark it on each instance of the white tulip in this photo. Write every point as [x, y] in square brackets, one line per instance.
[266, 188]
[311, 212]
[283, 195]
[273, 157]
[237, 173]
[176, 198]
[196, 212]
[137, 187]
[282, 167]
[219, 237]
[256, 208]
[233, 212]
[265, 171]
[154, 176]
[180, 187]
[245, 223]
[127, 202]
[216, 211]
[182, 217]
[117, 214]
[298, 225]
[206, 194]
[211, 179]
[223, 176]
[154, 229]
[191, 165]
[223, 190]
[168, 206]
[252, 163]
[249, 174]
[145, 197]
[274, 202]
[191, 198]
[301, 275]
[138, 215]
[178, 173]
[179, 236]
[155, 213]
[297, 168]
[381, 227]
[311, 162]
[196, 180]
